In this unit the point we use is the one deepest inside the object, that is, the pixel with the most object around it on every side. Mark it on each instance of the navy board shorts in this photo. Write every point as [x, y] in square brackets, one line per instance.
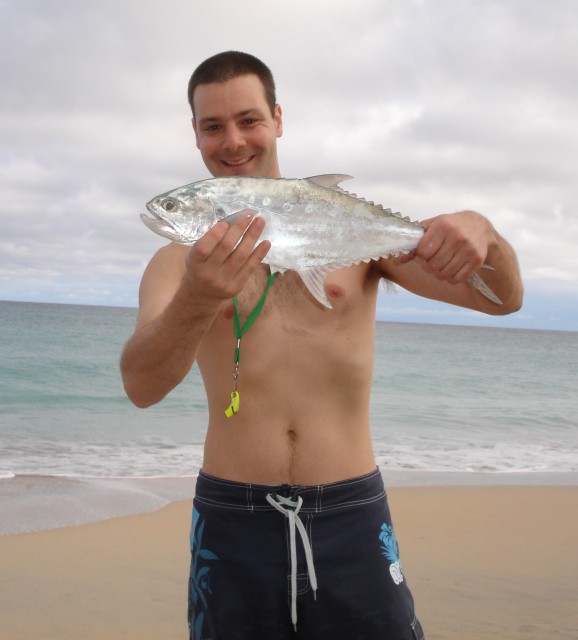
[317, 563]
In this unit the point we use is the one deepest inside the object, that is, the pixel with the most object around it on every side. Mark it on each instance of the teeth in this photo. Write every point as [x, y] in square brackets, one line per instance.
[234, 163]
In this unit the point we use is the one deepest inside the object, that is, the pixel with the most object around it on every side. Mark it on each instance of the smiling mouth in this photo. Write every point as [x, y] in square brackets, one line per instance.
[238, 163]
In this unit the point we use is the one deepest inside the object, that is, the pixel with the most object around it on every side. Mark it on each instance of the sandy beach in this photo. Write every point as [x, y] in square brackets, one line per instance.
[483, 562]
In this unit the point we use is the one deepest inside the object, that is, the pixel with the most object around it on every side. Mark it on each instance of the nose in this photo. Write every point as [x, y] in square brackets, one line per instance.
[233, 139]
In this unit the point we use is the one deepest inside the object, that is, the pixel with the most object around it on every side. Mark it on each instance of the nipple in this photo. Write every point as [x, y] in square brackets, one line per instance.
[334, 291]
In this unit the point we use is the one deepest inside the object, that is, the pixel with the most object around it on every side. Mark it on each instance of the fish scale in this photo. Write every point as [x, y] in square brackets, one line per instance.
[314, 226]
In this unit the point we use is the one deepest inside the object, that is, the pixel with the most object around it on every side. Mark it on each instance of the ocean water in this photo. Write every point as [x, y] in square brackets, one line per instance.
[471, 403]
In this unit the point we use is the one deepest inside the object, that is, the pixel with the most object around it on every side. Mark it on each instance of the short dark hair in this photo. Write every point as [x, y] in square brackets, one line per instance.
[228, 65]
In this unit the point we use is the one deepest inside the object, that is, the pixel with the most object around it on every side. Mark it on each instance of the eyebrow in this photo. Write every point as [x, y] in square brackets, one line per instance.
[240, 114]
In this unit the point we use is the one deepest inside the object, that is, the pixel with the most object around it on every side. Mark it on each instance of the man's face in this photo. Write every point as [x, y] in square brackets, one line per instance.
[236, 133]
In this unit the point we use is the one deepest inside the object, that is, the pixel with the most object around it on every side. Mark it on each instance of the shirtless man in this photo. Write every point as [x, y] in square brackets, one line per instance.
[289, 497]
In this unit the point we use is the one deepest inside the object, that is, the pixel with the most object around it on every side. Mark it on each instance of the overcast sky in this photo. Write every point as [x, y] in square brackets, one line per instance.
[432, 105]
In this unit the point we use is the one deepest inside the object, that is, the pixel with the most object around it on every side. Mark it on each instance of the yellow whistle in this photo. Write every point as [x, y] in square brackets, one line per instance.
[233, 408]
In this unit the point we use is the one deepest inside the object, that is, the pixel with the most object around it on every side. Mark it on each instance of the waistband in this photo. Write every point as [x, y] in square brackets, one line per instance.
[317, 498]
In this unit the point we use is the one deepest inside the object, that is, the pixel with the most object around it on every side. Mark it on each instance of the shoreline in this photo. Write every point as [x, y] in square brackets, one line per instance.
[30, 503]
[482, 561]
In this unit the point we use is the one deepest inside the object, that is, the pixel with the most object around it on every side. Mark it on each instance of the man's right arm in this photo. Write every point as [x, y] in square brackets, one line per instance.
[180, 295]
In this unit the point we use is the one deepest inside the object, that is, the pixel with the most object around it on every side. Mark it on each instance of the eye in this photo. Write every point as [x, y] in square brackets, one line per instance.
[169, 204]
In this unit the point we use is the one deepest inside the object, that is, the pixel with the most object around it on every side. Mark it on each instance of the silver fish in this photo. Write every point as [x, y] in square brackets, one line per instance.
[314, 226]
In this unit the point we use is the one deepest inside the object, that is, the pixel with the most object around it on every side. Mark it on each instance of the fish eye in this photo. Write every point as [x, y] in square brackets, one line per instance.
[169, 204]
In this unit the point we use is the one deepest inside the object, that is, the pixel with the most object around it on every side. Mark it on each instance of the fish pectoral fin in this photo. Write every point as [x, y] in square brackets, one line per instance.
[314, 279]
[236, 217]
[329, 180]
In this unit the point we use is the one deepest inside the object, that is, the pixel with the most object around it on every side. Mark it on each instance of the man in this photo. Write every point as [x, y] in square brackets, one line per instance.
[291, 529]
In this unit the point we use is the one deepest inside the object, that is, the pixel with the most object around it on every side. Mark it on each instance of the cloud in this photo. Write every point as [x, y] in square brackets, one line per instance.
[432, 106]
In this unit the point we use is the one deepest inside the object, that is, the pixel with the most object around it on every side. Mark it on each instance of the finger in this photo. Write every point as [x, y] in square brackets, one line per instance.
[239, 217]
[203, 248]
[451, 269]
[252, 262]
[461, 270]
[464, 274]
[237, 256]
[235, 243]
[247, 243]
[219, 242]
[429, 246]
[240, 266]
[241, 237]
[458, 268]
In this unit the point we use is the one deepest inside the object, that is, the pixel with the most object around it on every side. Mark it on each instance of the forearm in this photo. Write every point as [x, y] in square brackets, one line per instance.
[453, 249]
[181, 294]
[504, 278]
[160, 354]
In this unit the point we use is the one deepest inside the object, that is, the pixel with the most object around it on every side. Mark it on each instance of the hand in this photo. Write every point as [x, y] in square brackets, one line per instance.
[455, 245]
[222, 261]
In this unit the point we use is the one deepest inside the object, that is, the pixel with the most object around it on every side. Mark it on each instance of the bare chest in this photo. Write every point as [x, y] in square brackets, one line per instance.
[288, 297]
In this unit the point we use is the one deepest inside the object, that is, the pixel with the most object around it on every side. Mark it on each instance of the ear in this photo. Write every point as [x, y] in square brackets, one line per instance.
[278, 119]
[196, 132]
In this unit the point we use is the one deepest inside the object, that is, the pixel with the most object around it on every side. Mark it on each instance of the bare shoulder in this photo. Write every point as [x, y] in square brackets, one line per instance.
[166, 266]
[160, 282]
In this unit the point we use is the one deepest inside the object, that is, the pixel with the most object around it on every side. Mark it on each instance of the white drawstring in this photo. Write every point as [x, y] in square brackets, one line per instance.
[295, 521]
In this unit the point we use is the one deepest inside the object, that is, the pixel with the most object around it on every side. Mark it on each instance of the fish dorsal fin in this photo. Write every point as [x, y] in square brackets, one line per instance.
[329, 180]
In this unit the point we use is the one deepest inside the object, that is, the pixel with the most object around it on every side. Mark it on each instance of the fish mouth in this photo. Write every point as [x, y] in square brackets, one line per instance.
[152, 210]
[156, 218]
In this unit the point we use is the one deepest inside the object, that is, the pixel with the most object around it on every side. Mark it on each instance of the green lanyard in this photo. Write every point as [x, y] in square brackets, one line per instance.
[240, 331]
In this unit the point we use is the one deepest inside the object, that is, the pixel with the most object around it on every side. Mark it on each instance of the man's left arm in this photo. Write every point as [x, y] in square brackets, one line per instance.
[454, 248]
